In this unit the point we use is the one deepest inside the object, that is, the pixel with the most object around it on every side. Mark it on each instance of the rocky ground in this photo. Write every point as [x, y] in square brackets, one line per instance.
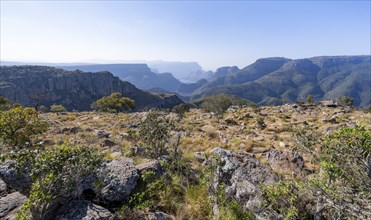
[255, 145]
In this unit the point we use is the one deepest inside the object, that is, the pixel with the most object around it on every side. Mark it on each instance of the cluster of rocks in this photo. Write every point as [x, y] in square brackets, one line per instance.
[116, 181]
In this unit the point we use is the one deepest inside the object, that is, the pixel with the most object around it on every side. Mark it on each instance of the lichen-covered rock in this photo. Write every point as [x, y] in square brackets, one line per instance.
[113, 181]
[3, 188]
[152, 165]
[240, 175]
[84, 210]
[10, 203]
[285, 161]
[18, 180]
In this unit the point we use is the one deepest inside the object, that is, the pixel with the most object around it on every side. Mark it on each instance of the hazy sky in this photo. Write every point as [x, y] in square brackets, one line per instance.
[213, 33]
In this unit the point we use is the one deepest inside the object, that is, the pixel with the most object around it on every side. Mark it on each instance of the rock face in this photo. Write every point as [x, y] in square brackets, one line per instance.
[85, 210]
[113, 182]
[20, 181]
[285, 161]
[241, 174]
[32, 85]
[10, 203]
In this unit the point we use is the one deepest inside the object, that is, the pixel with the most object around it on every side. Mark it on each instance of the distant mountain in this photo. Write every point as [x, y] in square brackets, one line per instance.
[76, 90]
[138, 74]
[187, 72]
[272, 79]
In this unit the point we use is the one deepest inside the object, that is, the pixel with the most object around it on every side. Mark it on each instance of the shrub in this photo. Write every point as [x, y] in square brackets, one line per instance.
[56, 174]
[4, 103]
[181, 109]
[345, 101]
[43, 108]
[113, 103]
[220, 103]
[57, 108]
[18, 125]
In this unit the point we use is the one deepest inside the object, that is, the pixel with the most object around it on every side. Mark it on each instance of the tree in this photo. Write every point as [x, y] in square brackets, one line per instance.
[57, 108]
[18, 125]
[310, 99]
[113, 103]
[345, 101]
[4, 103]
[181, 109]
[217, 104]
[155, 133]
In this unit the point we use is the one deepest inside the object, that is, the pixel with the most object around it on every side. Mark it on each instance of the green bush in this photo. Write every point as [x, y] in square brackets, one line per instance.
[18, 126]
[56, 174]
[57, 108]
[113, 103]
[181, 109]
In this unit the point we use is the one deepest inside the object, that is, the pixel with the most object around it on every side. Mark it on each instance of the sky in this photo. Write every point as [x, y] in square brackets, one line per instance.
[212, 33]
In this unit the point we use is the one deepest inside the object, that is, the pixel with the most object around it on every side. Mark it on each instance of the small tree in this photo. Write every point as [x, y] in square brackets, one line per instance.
[155, 133]
[113, 103]
[57, 108]
[181, 109]
[217, 104]
[4, 103]
[345, 101]
[310, 99]
[18, 125]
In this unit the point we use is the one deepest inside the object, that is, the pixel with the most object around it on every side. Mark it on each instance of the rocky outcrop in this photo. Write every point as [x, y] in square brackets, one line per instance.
[18, 180]
[239, 175]
[10, 203]
[113, 182]
[76, 90]
[155, 216]
[285, 161]
[85, 210]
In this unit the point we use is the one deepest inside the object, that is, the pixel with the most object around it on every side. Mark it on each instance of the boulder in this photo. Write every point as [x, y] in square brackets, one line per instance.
[113, 181]
[152, 165]
[18, 180]
[240, 174]
[10, 203]
[285, 161]
[102, 134]
[3, 188]
[107, 143]
[71, 130]
[85, 210]
[156, 216]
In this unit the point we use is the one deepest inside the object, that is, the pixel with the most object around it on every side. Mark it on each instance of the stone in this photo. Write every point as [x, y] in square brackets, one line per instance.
[107, 143]
[71, 130]
[240, 174]
[3, 188]
[285, 161]
[84, 210]
[199, 156]
[113, 181]
[282, 144]
[10, 203]
[152, 165]
[20, 181]
[155, 216]
[102, 134]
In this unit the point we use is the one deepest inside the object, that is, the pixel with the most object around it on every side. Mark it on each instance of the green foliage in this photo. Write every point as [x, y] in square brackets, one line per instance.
[181, 109]
[310, 99]
[18, 125]
[289, 198]
[113, 103]
[221, 102]
[155, 134]
[345, 101]
[57, 108]
[43, 108]
[4, 104]
[56, 174]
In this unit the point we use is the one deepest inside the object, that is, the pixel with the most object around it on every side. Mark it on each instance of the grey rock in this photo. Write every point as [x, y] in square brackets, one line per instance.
[107, 143]
[10, 203]
[156, 216]
[84, 210]
[113, 181]
[3, 188]
[241, 174]
[200, 156]
[285, 161]
[18, 180]
[152, 165]
[102, 134]
[71, 130]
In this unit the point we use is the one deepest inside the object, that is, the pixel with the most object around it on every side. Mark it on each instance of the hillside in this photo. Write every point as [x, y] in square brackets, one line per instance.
[76, 90]
[249, 163]
[271, 79]
[138, 74]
